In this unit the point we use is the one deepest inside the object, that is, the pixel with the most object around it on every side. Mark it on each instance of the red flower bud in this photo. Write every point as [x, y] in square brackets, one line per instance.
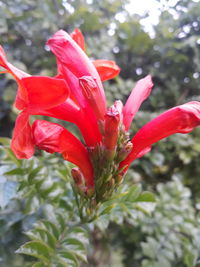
[92, 94]
[112, 120]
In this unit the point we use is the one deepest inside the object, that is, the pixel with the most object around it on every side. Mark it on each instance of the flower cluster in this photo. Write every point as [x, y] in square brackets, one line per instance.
[76, 95]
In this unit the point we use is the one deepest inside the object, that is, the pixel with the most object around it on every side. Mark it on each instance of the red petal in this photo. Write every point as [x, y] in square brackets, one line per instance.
[107, 69]
[22, 143]
[67, 111]
[52, 137]
[78, 37]
[181, 119]
[3, 60]
[73, 58]
[17, 74]
[89, 128]
[45, 92]
[139, 93]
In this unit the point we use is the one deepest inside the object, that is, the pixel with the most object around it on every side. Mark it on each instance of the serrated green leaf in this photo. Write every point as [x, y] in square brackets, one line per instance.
[36, 249]
[146, 197]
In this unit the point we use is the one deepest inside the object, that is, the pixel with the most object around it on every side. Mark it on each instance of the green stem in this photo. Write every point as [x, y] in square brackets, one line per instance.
[77, 201]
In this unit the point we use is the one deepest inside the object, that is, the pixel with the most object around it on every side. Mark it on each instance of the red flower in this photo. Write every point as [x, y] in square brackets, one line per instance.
[181, 119]
[76, 95]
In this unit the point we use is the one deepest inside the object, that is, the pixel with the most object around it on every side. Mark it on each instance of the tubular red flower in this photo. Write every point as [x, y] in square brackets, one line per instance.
[52, 137]
[22, 142]
[180, 119]
[78, 37]
[107, 69]
[74, 60]
[139, 93]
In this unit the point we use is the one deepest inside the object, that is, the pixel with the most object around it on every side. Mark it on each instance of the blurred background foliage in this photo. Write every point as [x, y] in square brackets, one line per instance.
[170, 52]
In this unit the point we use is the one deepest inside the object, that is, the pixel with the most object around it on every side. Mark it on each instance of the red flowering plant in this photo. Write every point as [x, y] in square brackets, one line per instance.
[76, 95]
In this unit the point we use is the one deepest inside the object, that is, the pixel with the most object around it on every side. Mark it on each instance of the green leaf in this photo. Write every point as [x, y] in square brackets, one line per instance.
[146, 197]
[36, 249]
[107, 210]
[76, 247]
[61, 222]
[146, 208]
[12, 157]
[78, 233]
[16, 171]
[75, 242]
[50, 227]
[67, 259]
[34, 173]
[43, 235]
[133, 193]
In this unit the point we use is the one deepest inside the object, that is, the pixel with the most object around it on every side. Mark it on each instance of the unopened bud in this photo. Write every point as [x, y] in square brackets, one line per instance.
[90, 192]
[110, 154]
[78, 176]
[112, 120]
[119, 179]
[79, 181]
[92, 93]
[111, 183]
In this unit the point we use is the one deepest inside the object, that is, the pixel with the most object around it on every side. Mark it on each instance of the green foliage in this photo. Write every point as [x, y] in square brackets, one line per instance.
[56, 244]
[170, 237]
